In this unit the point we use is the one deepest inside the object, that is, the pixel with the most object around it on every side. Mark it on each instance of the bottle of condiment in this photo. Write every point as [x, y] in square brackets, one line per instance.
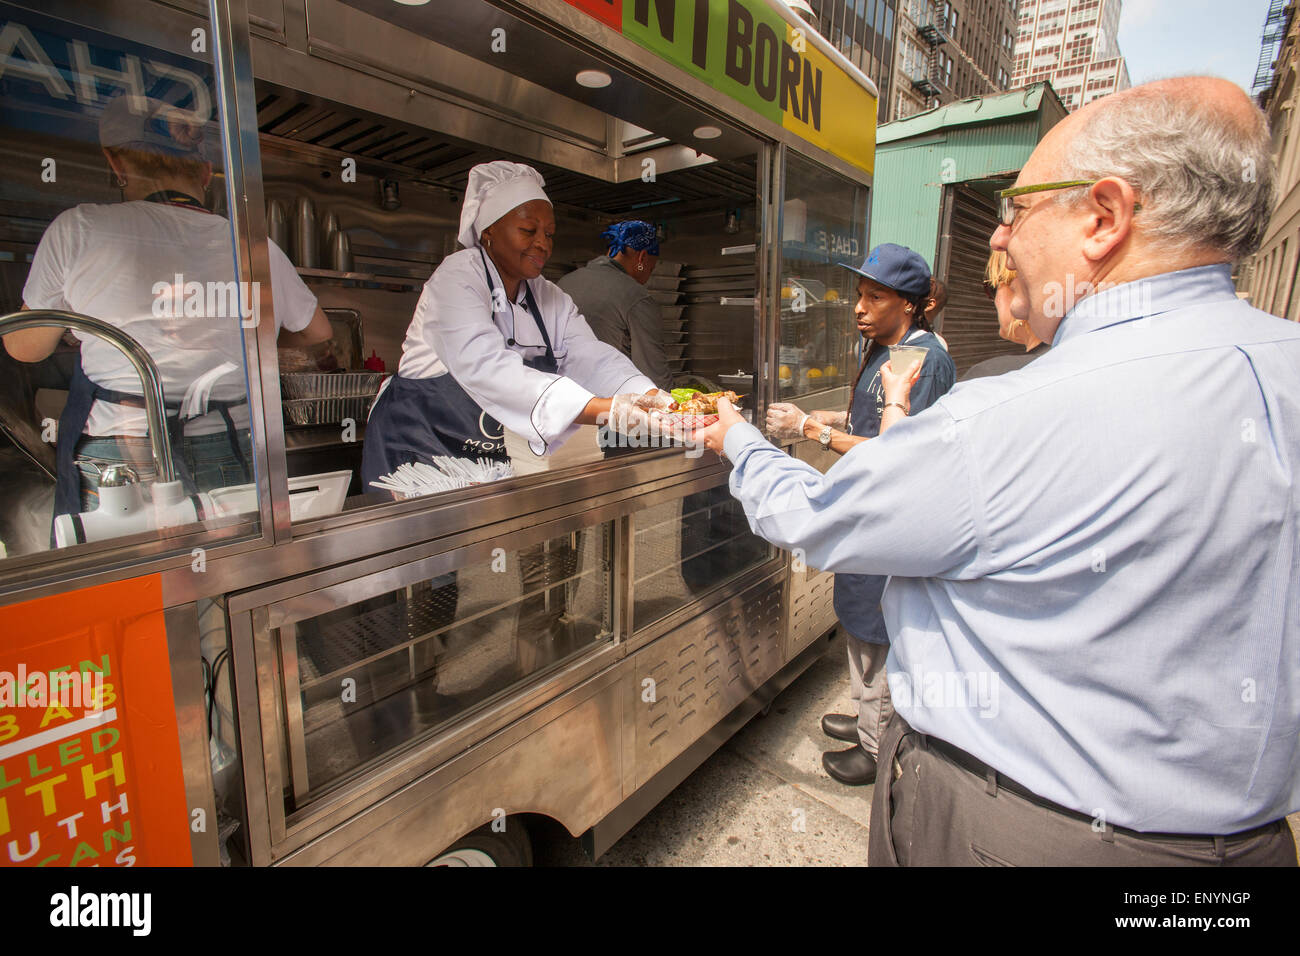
[374, 363]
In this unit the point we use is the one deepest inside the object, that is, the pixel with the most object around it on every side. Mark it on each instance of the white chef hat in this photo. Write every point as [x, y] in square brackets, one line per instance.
[494, 189]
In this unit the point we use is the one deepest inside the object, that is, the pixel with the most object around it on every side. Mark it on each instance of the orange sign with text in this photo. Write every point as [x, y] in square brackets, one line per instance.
[90, 760]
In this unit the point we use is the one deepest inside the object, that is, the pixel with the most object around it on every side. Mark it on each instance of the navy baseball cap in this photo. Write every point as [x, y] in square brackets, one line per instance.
[895, 267]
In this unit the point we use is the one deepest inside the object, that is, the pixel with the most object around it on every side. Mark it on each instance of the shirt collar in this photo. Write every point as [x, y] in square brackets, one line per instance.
[496, 280]
[1144, 298]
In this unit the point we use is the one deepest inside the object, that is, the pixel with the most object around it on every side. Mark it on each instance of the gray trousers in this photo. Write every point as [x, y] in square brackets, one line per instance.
[869, 690]
[929, 811]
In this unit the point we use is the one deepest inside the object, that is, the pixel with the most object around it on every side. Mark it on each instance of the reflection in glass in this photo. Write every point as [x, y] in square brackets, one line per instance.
[685, 548]
[419, 656]
[111, 195]
[824, 223]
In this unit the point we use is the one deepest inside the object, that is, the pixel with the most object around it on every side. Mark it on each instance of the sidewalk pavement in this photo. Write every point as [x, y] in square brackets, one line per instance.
[763, 799]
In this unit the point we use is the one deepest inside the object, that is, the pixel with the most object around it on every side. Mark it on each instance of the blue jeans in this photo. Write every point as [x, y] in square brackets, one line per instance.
[210, 460]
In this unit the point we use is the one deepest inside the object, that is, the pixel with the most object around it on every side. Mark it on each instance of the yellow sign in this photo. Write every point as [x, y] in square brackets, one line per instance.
[847, 113]
[748, 51]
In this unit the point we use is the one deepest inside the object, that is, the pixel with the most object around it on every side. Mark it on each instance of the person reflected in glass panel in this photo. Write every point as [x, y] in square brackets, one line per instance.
[158, 265]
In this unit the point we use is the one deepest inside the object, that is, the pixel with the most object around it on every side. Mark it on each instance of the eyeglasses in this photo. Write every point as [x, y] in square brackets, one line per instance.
[1007, 209]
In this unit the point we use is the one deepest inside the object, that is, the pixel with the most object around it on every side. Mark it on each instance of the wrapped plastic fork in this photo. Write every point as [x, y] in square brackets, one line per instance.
[414, 479]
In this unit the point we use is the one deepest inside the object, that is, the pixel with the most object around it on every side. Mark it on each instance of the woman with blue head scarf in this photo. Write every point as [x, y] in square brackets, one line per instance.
[610, 291]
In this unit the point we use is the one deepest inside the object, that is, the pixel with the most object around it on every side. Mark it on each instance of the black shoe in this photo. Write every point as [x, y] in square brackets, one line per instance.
[854, 766]
[841, 727]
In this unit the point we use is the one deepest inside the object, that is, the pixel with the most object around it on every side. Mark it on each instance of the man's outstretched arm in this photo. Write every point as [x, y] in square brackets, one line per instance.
[899, 504]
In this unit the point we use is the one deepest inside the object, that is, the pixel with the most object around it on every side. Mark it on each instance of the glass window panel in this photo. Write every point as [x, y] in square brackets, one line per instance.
[824, 223]
[684, 548]
[399, 216]
[422, 655]
[138, 240]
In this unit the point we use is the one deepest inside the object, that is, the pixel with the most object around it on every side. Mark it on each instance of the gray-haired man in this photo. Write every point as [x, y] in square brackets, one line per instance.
[1094, 613]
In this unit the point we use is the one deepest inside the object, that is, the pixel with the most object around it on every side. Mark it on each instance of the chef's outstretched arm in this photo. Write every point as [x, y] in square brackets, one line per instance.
[898, 504]
[543, 407]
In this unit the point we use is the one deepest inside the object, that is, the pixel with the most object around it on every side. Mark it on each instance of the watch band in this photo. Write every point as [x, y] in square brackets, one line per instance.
[897, 405]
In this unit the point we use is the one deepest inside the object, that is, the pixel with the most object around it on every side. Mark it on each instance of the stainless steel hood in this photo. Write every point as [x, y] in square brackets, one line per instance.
[383, 146]
[428, 97]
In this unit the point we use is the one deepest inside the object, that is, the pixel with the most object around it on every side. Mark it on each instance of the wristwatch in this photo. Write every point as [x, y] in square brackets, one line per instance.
[824, 438]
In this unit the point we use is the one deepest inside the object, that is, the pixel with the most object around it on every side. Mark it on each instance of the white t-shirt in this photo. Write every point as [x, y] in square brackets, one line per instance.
[165, 275]
[456, 329]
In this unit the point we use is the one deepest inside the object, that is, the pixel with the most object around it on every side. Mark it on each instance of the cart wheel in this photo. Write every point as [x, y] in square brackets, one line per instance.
[483, 847]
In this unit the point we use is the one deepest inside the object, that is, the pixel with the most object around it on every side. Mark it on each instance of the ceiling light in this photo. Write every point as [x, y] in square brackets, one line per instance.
[593, 79]
[707, 132]
[411, 3]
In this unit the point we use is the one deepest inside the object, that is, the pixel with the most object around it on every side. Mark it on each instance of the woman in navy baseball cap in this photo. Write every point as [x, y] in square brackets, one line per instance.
[893, 286]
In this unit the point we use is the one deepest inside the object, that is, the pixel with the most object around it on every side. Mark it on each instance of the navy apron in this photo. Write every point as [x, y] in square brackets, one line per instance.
[416, 419]
[82, 394]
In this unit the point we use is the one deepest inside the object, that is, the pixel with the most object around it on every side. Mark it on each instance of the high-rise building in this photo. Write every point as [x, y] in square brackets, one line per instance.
[950, 50]
[863, 30]
[1271, 277]
[1074, 44]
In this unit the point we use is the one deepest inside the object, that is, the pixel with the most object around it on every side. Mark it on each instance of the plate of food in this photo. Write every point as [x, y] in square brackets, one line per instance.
[692, 409]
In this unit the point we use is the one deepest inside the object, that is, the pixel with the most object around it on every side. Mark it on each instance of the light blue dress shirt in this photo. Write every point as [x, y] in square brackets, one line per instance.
[1096, 571]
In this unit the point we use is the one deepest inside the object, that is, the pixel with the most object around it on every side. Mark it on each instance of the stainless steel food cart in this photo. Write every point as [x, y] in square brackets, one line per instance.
[399, 682]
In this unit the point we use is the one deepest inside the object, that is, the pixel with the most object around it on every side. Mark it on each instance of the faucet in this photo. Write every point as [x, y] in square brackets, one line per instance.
[121, 504]
[150, 381]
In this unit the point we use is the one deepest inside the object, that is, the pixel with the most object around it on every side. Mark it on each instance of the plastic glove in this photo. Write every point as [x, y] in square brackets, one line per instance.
[783, 421]
[657, 399]
[638, 416]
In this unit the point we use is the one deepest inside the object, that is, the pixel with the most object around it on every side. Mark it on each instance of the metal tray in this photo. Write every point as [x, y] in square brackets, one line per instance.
[327, 411]
[316, 385]
[349, 348]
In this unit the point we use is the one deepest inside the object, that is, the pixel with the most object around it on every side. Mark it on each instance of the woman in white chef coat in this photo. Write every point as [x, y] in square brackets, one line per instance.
[131, 264]
[494, 344]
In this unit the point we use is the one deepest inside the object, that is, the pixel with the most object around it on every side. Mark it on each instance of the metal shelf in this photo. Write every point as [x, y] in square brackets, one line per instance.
[423, 609]
[406, 282]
